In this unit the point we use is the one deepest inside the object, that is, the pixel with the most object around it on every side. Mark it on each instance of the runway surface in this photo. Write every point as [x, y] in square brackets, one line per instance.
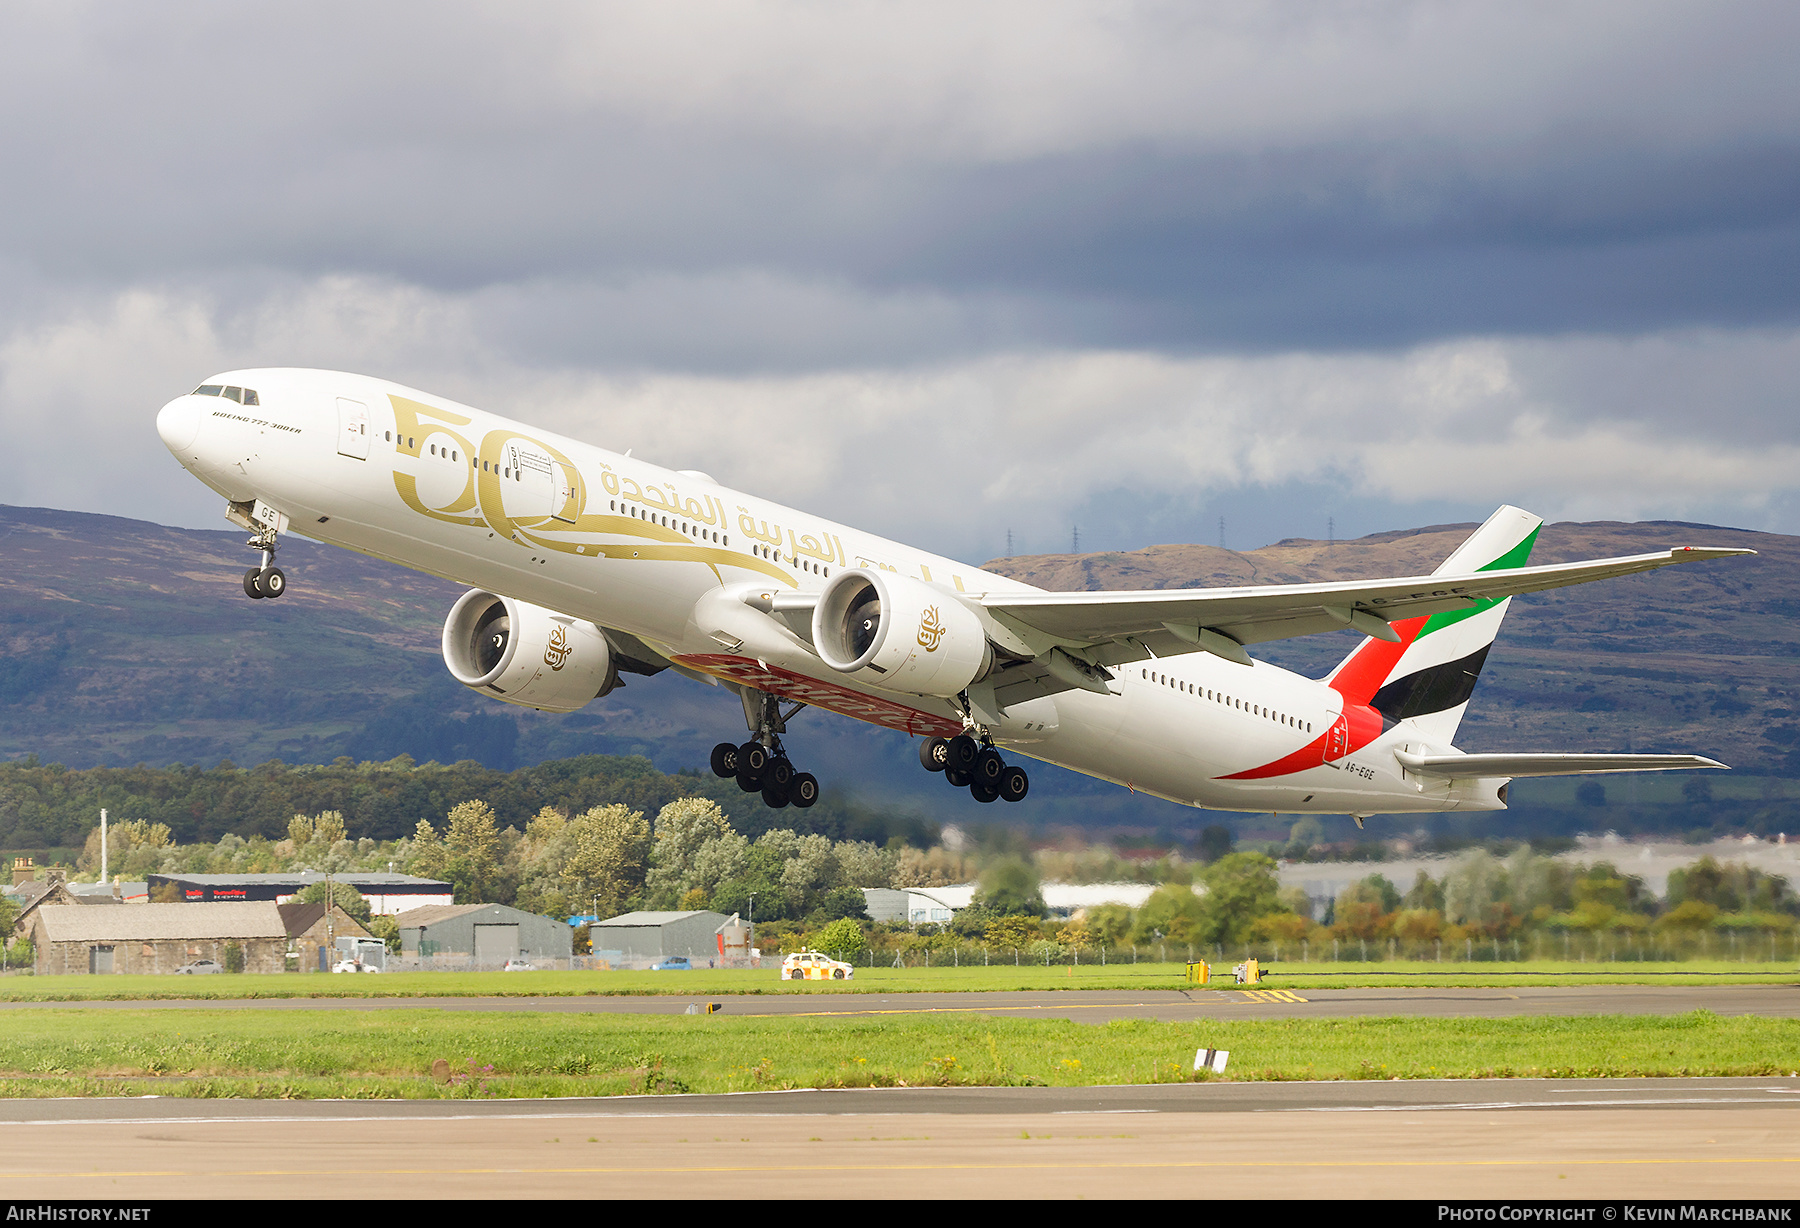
[1618, 1139]
[1094, 1006]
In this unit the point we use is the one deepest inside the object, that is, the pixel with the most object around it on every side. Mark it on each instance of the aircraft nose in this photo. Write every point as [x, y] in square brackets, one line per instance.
[179, 424]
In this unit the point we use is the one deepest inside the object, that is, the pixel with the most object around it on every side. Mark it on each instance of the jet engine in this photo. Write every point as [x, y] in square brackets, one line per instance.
[525, 654]
[911, 636]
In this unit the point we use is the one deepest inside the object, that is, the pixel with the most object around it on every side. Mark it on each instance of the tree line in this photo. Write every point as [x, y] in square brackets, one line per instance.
[45, 808]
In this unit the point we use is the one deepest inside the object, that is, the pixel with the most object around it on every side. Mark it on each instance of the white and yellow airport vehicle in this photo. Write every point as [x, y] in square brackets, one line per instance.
[813, 966]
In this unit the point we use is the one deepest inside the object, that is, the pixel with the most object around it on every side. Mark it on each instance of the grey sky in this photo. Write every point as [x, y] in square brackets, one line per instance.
[942, 269]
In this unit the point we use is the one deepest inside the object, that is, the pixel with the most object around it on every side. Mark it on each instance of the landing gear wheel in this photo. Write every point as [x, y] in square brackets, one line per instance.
[747, 782]
[253, 584]
[753, 759]
[1014, 784]
[958, 780]
[961, 752]
[725, 759]
[774, 797]
[803, 790]
[274, 582]
[934, 754]
[989, 767]
[780, 774]
[984, 793]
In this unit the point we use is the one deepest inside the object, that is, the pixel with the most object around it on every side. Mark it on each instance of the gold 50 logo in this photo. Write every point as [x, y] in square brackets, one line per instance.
[557, 655]
[931, 629]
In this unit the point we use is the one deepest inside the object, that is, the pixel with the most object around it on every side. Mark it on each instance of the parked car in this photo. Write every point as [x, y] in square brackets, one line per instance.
[198, 967]
[675, 963]
[519, 965]
[813, 966]
[353, 965]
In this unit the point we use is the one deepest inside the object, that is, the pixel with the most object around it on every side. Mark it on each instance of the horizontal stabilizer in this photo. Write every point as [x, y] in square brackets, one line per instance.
[1465, 767]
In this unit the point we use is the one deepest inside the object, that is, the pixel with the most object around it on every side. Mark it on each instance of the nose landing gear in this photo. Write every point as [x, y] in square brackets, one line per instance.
[265, 525]
[975, 766]
[761, 765]
[260, 582]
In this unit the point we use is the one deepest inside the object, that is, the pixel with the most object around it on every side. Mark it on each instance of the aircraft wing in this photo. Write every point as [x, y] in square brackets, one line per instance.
[1465, 767]
[1077, 635]
[1282, 611]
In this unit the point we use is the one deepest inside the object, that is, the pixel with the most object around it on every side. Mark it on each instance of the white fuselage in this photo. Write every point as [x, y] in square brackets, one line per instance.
[496, 504]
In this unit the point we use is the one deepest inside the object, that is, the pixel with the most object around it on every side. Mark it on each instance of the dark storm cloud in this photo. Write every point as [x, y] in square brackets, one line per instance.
[1361, 199]
[937, 268]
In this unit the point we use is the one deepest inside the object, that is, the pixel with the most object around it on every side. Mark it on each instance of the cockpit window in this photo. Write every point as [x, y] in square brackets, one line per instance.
[250, 397]
[236, 394]
[208, 390]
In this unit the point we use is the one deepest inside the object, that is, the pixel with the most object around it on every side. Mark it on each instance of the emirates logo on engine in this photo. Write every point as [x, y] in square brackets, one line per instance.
[931, 629]
[557, 655]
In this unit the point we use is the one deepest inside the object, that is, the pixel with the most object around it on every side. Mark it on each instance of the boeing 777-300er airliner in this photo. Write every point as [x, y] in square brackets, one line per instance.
[584, 565]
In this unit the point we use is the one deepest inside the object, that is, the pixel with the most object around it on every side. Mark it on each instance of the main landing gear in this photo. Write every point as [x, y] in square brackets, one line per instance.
[975, 766]
[761, 764]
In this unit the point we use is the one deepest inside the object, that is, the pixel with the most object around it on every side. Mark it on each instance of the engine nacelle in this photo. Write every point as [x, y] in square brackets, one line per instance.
[910, 636]
[525, 654]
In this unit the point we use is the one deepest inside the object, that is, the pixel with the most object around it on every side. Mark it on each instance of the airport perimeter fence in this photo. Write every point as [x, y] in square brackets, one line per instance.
[606, 961]
[1748, 947]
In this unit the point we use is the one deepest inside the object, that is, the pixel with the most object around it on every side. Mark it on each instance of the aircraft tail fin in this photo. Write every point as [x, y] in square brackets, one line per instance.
[1427, 677]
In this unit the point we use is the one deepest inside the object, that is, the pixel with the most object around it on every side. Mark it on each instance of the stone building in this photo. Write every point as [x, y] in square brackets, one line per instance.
[309, 931]
[157, 938]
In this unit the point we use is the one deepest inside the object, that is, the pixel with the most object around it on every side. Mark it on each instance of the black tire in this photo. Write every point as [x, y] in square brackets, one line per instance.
[774, 798]
[1014, 784]
[989, 767]
[725, 759]
[957, 780]
[961, 752]
[984, 793]
[753, 757]
[934, 754]
[837, 974]
[780, 773]
[803, 790]
[253, 584]
[748, 783]
[274, 582]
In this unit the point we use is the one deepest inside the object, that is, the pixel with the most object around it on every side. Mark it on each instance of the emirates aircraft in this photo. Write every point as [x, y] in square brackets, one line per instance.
[584, 564]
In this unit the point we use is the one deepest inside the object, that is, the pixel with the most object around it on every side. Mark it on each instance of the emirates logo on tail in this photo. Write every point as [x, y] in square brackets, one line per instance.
[557, 655]
[931, 629]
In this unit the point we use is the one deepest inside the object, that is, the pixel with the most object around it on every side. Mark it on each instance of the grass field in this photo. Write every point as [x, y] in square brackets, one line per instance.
[869, 980]
[391, 1054]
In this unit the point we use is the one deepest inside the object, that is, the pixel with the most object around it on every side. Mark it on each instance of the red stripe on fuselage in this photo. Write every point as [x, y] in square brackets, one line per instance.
[1358, 680]
[831, 697]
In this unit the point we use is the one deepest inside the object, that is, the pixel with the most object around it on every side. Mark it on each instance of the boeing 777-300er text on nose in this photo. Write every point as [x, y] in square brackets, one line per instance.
[584, 564]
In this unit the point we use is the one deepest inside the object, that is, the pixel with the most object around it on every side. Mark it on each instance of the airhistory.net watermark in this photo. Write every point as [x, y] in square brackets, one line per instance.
[62, 1213]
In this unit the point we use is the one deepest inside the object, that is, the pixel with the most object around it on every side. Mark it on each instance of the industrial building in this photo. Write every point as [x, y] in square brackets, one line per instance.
[937, 905]
[639, 936]
[481, 935]
[388, 894]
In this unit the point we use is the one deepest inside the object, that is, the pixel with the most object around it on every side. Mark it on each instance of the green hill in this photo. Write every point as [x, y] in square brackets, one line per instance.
[124, 642]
